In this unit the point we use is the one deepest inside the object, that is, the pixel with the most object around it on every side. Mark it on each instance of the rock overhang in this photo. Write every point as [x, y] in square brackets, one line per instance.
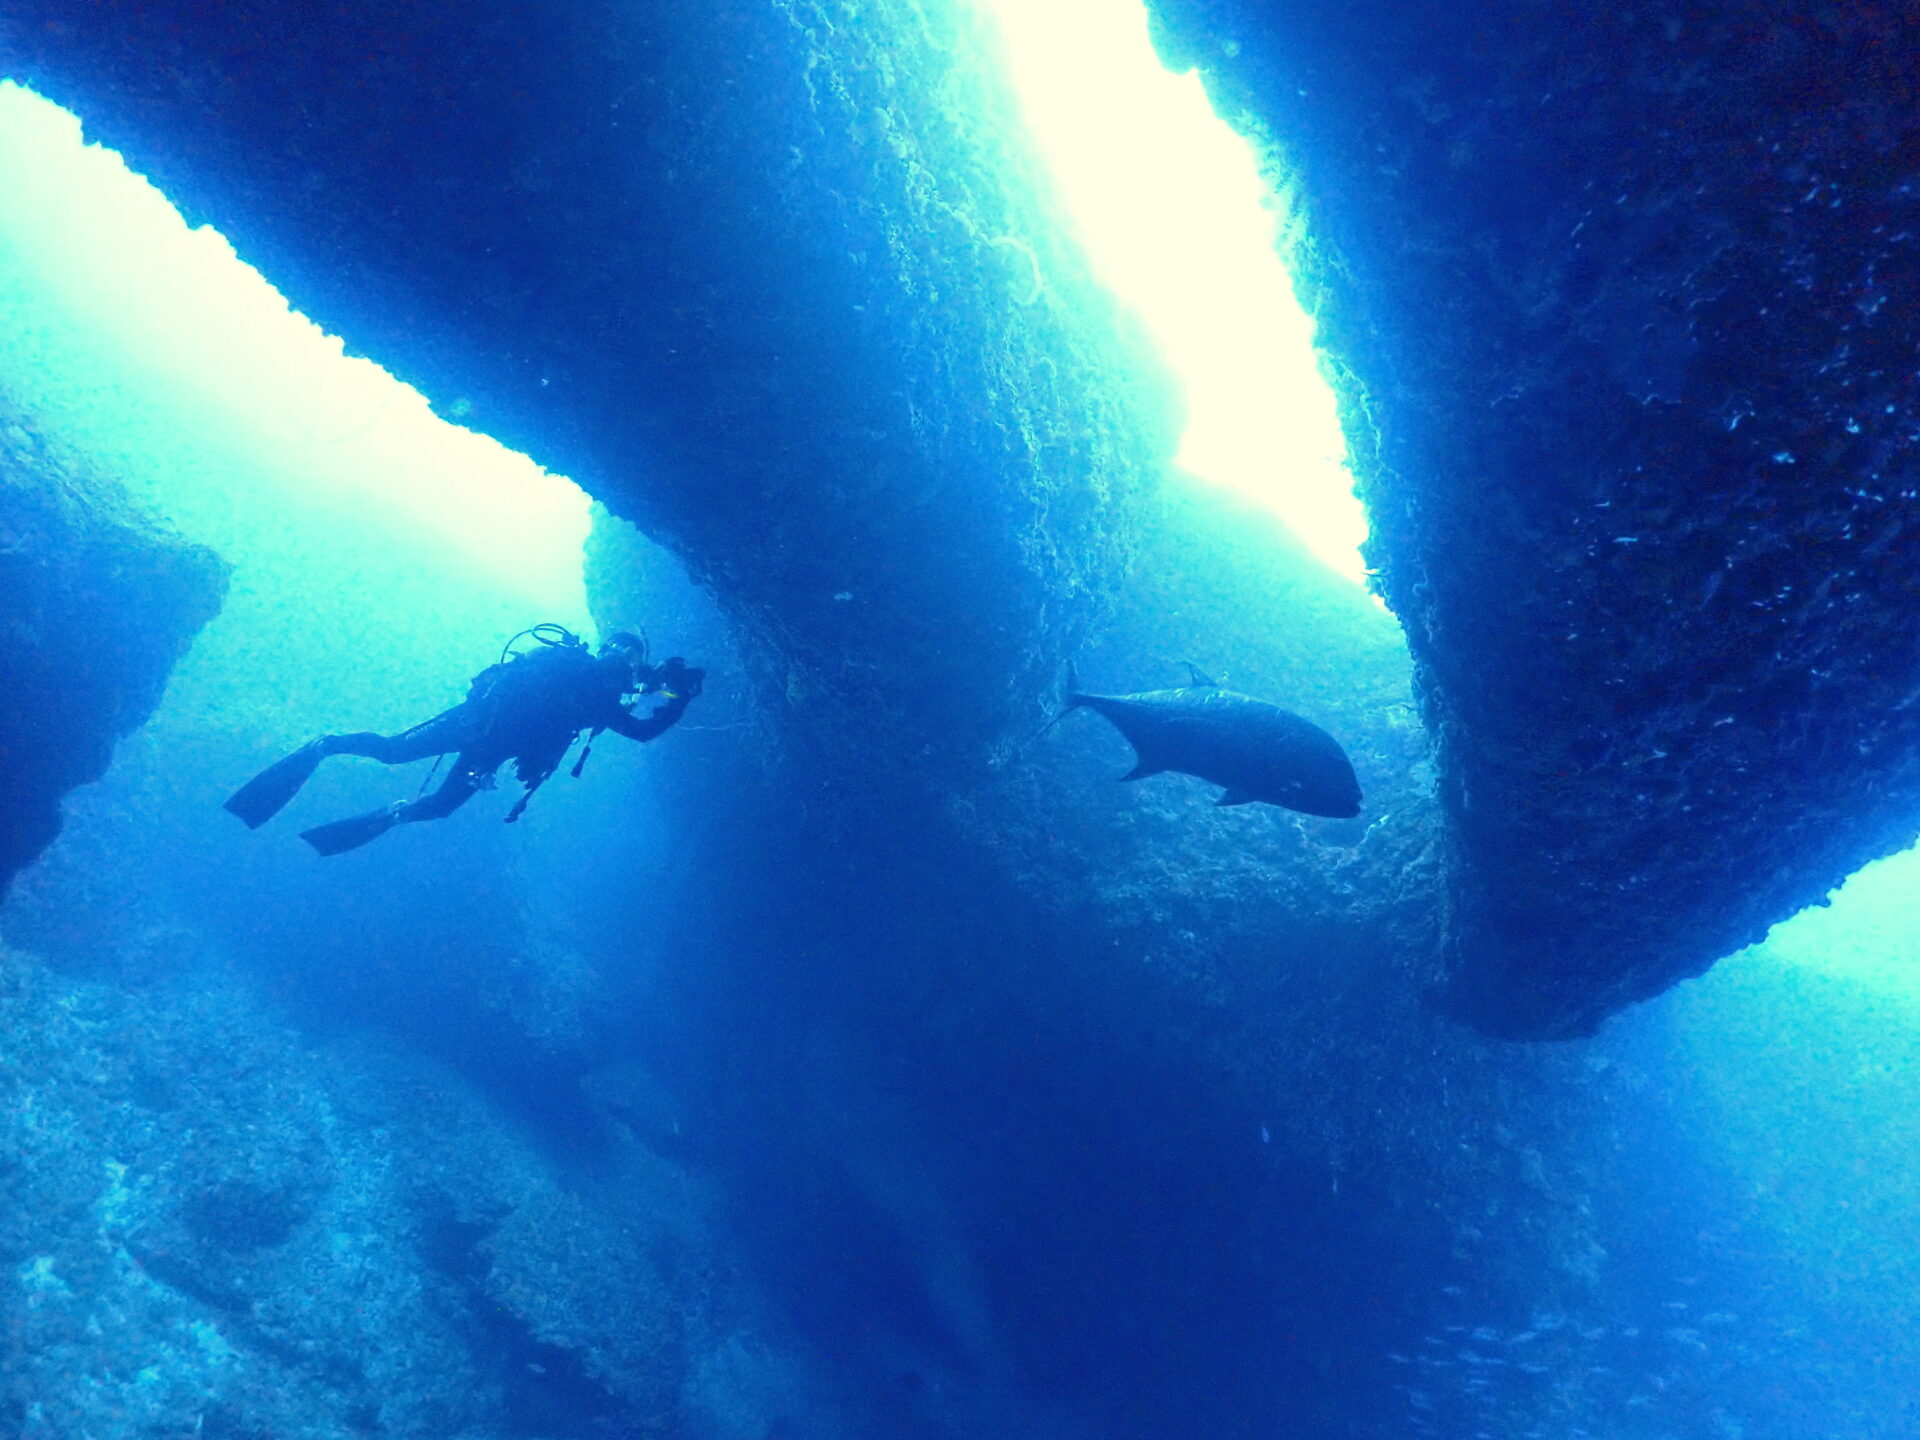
[1626, 300]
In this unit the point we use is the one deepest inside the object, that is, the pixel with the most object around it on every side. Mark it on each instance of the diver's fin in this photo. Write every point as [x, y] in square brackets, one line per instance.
[264, 796]
[1143, 770]
[339, 836]
[1200, 680]
[1235, 797]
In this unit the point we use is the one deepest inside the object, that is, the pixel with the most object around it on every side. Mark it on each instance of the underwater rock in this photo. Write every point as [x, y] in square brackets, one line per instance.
[205, 1214]
[1033, 1091]
[1626, 296]
[96, 606]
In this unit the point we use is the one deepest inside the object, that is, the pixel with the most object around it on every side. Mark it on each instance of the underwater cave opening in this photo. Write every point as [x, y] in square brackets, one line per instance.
[1179, 216]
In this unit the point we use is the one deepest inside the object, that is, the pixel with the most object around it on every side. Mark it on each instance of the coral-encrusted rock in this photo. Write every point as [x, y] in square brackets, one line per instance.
[1630, 294]
[96, 607]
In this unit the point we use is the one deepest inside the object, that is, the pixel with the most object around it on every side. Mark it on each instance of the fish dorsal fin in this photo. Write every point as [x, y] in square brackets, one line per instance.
[1143, 770]
[1200, 679]
[1236, 797]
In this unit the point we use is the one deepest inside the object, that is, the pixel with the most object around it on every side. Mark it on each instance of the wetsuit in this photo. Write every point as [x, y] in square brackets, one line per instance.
[528, 710]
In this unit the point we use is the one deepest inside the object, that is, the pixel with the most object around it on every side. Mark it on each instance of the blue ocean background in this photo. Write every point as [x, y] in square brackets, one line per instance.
[647, 1116]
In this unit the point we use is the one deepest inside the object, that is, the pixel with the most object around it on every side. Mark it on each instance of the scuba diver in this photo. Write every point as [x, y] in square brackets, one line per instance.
[528, 708]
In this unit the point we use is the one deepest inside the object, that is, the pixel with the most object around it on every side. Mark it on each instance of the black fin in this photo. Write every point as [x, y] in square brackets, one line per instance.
[340, 836]
[264, 796]
[1200, 679]
[1236, 797]
[1143, 770]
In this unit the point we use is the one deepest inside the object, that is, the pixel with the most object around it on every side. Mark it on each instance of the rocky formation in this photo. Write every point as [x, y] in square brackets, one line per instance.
[96, 606]
[1012, 1077]
[1627, 298]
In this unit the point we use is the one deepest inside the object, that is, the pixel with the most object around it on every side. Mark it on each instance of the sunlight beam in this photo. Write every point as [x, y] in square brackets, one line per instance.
[179, 302]
[1868, 933]
[1180, 223]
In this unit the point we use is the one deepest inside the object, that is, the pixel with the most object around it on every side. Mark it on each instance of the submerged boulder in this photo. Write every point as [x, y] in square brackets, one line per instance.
[96, 606]
[1626, 296]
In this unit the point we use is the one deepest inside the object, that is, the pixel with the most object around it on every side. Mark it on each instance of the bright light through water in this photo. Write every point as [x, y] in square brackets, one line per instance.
[180, 302]
[1870, 934]
[1178, 220]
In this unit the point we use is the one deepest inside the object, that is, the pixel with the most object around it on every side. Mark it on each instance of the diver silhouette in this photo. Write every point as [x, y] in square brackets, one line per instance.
[528, 708]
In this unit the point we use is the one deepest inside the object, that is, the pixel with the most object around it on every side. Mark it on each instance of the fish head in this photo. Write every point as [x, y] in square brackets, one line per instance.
[1329, 789]
[1330, 803]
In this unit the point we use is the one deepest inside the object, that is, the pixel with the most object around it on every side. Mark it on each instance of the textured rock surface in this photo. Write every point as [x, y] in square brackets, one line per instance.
[1627, 297]
[213, 1228]
[706, 260]
[96, 605]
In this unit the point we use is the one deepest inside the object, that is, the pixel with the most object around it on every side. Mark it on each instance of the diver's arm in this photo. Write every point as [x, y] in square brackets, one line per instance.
[680, 684]
[647, 727]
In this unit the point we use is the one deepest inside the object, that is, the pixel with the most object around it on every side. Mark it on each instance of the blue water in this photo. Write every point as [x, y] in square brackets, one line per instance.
[711, 1101]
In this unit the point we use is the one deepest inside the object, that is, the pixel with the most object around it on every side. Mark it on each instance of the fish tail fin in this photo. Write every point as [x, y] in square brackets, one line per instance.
[1071, 700]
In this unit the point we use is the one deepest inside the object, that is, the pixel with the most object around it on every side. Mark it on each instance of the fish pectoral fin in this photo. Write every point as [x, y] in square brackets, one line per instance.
[1200, 680]
[1231, 796]
[1143, 770]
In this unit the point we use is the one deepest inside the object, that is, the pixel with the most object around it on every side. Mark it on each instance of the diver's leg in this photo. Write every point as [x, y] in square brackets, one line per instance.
[458, 788]
[358, 830]
[447, 731]
[264, 796]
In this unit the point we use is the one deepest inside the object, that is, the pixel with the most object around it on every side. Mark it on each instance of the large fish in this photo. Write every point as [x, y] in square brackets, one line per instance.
[1255, 750]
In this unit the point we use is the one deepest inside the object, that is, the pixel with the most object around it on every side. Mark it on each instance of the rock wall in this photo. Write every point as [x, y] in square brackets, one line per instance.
[1625, 296]
[1621, 295]
[96, 606]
